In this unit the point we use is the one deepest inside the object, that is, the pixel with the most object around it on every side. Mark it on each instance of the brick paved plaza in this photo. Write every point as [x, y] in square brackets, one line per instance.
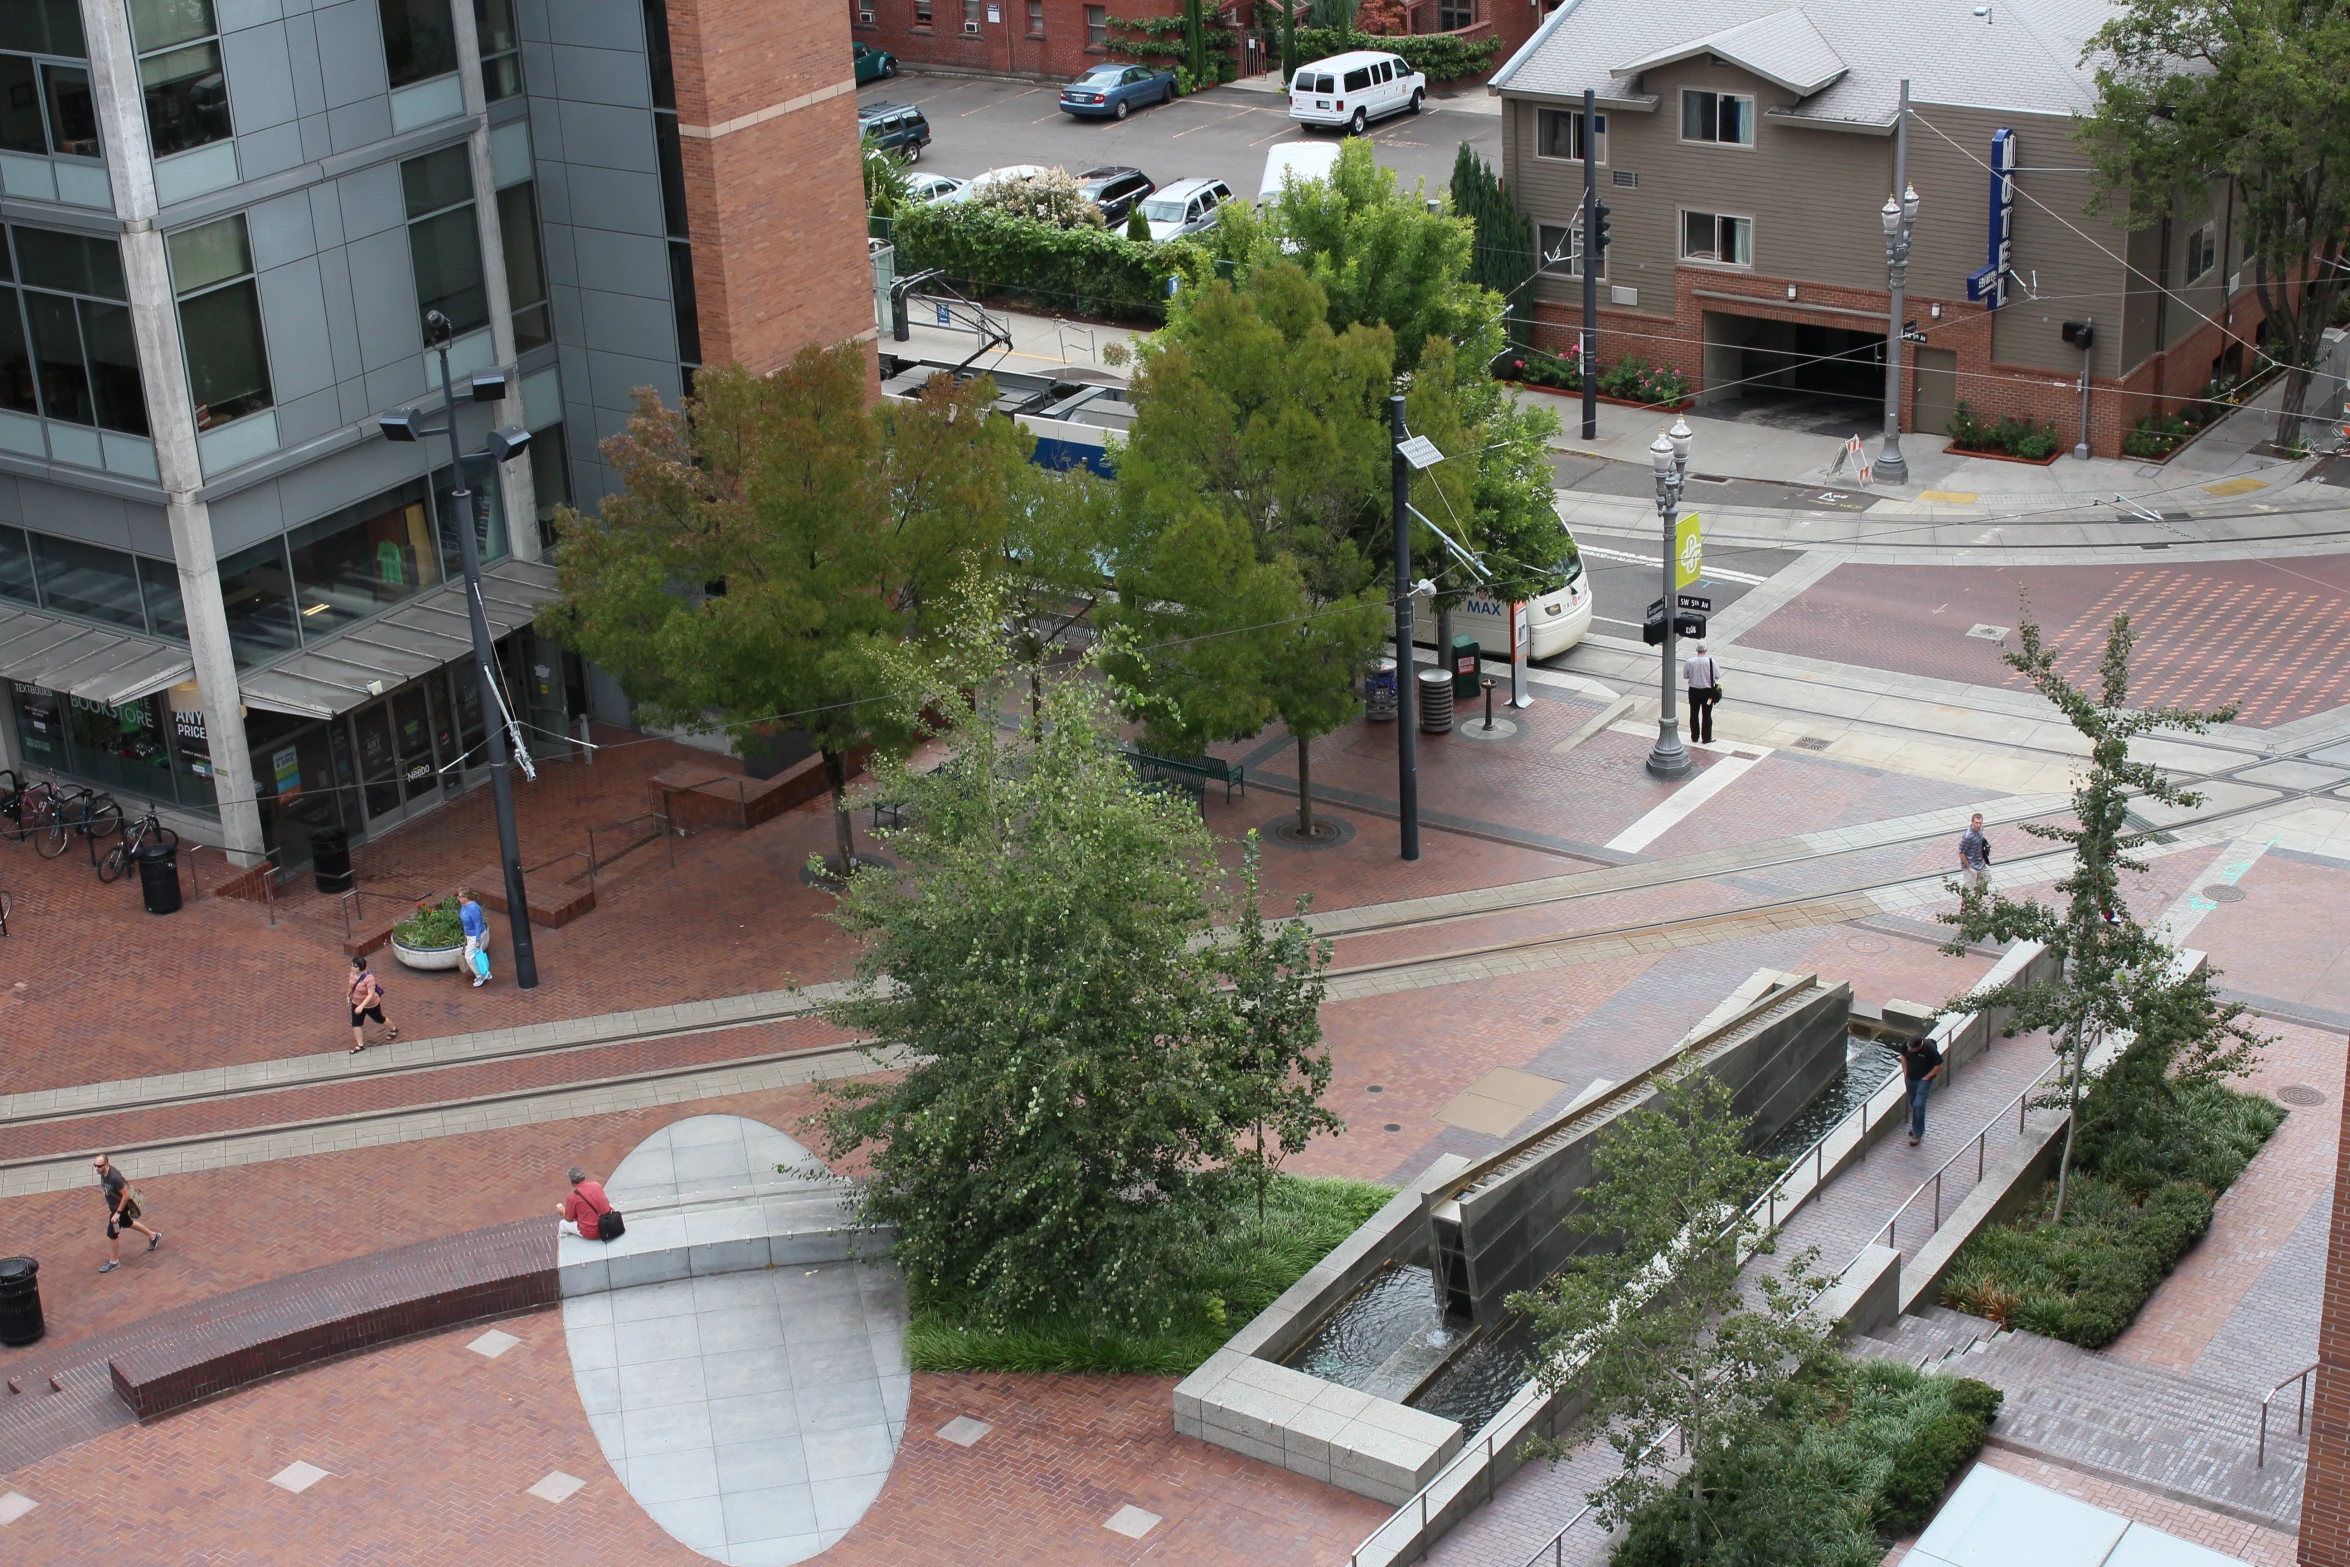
[430, 1449]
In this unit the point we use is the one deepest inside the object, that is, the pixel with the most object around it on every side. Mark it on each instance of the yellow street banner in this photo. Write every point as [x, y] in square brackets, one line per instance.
[1688, 553]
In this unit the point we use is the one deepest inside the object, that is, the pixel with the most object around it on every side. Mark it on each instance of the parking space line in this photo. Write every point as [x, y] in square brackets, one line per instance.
[1284, 131]
[1204, 124]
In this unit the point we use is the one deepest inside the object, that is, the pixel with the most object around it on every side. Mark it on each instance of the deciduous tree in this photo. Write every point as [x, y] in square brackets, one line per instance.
[761, 551]
[2255, 92]
[2112, 974]
[1655, 1322]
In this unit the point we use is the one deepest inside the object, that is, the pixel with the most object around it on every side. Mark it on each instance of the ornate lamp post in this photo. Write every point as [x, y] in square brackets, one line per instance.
[1669, 455]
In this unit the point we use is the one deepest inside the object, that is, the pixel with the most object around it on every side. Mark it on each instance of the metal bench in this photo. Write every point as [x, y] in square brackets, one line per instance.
[1192, 773]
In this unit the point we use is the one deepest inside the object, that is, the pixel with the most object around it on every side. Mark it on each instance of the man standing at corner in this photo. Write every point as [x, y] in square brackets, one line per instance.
[1974, 855]
[1705, 689]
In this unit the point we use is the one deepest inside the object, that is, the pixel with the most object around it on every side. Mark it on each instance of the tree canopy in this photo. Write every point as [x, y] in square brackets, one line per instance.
[770, 540]
[2112, 973]
[2255, 92]
[1082, 1056]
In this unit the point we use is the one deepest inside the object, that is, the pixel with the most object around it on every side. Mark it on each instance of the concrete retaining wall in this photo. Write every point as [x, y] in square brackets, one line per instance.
[1507, 1225]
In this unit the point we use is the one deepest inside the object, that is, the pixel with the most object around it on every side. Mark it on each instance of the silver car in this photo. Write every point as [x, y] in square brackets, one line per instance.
[1184, 207]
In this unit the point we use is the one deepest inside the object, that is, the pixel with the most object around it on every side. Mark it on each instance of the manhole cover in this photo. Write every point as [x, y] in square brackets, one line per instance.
[1395, 1126]
[1812, 743]
[2301, 1094]
[2224, 894]
[1868, 944]
[1329, 833]
[1987, 633]
[1376, 1088]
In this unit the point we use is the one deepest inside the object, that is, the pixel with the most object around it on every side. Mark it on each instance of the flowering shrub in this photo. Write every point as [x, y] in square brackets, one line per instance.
[1051, 197]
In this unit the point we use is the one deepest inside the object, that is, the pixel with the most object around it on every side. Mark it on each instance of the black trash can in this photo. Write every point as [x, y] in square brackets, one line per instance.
[1435, 701]
[159, 877]
[20, 1302]
[330, 859]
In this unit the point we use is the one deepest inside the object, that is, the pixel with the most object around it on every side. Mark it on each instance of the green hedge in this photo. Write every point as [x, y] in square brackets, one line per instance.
[1855, 1453]
[2135, 1205]
[1088, 272]
[1229, 1277]
[1971, 432]
[1438, 56]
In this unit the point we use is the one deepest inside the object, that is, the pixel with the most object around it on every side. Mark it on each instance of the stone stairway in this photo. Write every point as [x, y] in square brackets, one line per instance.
[2162, 1431]
[1930, 1336]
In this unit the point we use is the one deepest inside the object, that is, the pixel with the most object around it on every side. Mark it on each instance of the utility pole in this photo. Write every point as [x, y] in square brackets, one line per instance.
[1900, 214]
[1407, 760]
[1590, 349]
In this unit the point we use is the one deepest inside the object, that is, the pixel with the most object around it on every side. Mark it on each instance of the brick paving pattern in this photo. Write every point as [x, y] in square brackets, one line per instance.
[2209, 634]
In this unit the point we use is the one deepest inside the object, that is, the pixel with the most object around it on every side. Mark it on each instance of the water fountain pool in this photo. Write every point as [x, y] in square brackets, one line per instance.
[1392, 1339]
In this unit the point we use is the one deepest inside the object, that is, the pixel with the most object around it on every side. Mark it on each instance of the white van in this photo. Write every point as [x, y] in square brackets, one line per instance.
[1354, 89]
[1305, 160]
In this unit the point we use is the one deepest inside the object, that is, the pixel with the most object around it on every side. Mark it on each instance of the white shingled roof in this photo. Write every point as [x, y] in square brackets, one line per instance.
[1844, 58]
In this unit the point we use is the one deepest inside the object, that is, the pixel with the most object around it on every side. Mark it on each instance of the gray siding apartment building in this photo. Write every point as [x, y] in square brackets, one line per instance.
[1745, 148]
[221, 591]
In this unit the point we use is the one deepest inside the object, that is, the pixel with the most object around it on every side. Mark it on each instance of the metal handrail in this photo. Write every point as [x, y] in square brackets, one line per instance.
[2300, 1410]
[596, 862]
[2020, 1104]
[1557, 1543]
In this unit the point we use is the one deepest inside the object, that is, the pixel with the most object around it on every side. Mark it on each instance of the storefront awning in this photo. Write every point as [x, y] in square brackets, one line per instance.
[91, 662]
[338, 674]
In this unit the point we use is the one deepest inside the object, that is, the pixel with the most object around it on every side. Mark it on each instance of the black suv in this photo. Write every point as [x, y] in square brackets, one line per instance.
[898, 127]
[1115, 189]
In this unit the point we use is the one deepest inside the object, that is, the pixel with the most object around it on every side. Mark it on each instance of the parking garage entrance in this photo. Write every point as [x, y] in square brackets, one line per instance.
[1794, 375]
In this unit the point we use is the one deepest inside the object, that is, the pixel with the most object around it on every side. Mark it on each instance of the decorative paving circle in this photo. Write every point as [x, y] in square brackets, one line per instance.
[1329, 832]
[2218, 893]
[2301, 1094]
[1868, 944]
[1474, 729]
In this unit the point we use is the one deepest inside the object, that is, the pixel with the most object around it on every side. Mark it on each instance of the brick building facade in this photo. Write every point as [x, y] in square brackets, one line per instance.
[2325, 1494]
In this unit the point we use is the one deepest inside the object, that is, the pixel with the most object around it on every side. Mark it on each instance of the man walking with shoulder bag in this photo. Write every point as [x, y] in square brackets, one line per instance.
[122, 1211]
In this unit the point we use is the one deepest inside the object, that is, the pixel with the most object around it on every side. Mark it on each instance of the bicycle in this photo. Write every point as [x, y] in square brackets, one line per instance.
[125, 852]
[24, 809]
[79, 813]
[6, 903]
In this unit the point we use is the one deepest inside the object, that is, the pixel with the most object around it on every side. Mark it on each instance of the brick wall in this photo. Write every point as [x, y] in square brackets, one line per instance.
[1009, 46]
[2325, 1494]
[774, 200]
[1990, 387]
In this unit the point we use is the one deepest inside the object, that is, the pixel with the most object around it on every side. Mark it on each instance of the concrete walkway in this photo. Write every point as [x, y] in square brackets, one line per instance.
[755, 1415]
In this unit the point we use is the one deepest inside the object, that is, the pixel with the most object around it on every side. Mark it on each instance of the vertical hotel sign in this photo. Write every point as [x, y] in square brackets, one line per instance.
[1988, 286]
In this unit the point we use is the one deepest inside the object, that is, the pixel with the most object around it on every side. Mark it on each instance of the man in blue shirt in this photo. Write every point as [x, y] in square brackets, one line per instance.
[477, 937]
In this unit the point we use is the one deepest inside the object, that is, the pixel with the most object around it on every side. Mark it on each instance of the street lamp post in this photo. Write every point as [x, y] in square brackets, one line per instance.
[1669, 455]
[1407, 765]
[505, 443]
[1900, 215]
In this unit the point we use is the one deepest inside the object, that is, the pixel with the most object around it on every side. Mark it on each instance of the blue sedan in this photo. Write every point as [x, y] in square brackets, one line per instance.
[1114, 91]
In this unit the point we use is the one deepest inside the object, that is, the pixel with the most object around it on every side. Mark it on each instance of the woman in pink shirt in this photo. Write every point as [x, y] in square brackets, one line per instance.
[583, 1211]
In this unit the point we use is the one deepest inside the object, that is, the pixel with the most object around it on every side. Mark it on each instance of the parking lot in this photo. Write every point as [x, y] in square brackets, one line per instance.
[979, 123]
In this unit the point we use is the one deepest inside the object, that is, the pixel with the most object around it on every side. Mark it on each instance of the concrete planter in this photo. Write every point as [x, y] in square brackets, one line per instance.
[428, 958]
[1956, 450]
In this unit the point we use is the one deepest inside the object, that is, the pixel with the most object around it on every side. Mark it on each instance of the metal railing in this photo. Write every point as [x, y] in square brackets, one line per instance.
[2300, 1411]
[598, 858]
[1890, 1230]
[1556, 1545]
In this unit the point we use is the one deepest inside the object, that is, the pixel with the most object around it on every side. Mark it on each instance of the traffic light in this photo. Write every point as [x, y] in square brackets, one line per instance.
[1598, 245]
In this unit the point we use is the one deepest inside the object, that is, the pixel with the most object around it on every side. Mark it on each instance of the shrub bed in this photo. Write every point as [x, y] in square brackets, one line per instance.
[2158, 435]
[1230, 1277]
[2137, 1202]
[1632, 380]
[2008, 436]
[1079, 271]
[1852, 1455]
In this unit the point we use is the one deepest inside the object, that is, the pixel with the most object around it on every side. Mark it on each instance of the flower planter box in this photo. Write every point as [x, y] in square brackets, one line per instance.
[1620, 402]
[428, 958]
[1956, 450]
